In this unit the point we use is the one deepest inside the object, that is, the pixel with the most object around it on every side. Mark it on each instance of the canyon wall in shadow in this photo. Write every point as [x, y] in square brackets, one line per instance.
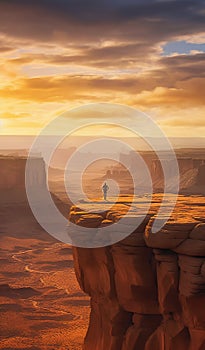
[12, 172]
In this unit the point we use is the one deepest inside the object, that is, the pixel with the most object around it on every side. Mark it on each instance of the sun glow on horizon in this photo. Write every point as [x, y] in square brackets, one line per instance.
[1, 123]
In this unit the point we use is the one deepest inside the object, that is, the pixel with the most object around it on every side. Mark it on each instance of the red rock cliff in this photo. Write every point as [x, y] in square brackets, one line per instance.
[147, 291]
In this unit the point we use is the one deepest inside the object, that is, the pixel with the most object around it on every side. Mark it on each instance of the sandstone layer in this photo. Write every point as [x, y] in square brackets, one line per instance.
[148, 290]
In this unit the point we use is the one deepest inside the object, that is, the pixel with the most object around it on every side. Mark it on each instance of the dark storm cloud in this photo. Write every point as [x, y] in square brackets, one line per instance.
[89, 20]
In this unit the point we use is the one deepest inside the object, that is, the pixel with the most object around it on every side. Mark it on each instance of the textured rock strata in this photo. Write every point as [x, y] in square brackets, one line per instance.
[147, 291]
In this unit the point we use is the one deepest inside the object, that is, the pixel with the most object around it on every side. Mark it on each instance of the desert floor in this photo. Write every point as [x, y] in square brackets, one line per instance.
[41, 304]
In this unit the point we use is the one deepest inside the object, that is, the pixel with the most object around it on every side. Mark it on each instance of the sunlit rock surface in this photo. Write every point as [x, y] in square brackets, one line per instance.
[148, 290]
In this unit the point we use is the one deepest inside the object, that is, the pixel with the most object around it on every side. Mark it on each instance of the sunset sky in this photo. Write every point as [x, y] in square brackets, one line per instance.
[56, 55]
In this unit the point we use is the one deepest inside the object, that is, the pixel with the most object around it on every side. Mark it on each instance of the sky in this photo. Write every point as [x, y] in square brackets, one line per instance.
[59, 54]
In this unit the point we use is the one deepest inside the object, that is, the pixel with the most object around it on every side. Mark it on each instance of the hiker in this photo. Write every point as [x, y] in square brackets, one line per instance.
[105, 189]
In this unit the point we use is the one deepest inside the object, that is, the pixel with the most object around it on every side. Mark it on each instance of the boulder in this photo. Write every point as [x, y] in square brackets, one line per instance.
[198, 232]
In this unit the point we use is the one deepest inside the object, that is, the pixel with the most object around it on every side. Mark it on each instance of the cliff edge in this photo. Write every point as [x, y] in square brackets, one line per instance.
[148, 290]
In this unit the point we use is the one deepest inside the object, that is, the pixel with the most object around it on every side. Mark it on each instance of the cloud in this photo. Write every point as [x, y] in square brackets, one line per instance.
[95, 21]
[190, 122]
[109, 35]
[128, 56]
[69, 52]
[5, 49]
[185, 95]
[8, 115]
[172, 80]
[74, 87]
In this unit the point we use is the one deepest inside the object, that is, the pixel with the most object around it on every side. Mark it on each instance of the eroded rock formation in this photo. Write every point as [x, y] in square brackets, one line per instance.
[191, 170]
[12, 172]
[147, 291]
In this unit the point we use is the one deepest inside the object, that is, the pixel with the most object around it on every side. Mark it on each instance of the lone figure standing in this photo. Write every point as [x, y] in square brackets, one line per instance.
[105, 189]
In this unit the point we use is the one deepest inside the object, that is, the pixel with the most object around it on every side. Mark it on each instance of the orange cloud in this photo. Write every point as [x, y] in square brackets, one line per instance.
[64, 54]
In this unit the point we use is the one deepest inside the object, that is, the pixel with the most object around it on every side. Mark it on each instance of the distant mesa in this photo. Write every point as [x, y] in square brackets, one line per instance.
[191, 169]
[15, 208]
[12, 172]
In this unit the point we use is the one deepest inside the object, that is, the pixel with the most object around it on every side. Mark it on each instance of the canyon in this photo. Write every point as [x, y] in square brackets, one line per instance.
[146, 291]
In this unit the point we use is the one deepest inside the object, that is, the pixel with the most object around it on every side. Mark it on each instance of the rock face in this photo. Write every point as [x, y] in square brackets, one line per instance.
[16, 215]
[12, 172]
[147, 291]
[191, 170]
